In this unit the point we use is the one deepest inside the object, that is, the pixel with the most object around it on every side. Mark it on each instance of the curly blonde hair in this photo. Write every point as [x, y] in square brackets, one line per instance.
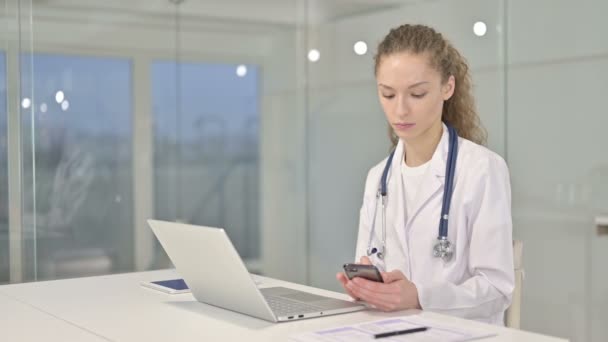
[459, 110]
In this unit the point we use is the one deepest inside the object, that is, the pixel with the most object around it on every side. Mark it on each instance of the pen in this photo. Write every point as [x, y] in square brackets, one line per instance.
[400, 332]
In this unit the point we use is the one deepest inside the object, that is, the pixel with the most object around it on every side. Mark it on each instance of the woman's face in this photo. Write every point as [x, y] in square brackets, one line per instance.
[411, 94]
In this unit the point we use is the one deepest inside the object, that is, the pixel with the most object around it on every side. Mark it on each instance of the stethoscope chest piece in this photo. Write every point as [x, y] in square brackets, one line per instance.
[443, 249]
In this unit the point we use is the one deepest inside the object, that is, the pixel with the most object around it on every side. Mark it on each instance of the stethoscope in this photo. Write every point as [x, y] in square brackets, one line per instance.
[443, 248]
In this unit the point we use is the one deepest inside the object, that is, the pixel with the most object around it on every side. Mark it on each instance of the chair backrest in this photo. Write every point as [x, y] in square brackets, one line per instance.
[513, 313]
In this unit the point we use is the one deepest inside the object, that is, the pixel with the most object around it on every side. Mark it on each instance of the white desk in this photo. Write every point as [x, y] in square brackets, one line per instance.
[22, 322]
[117, 308]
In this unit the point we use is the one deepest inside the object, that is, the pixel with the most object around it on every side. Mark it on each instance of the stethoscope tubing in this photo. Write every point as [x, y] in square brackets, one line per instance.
[446, 202]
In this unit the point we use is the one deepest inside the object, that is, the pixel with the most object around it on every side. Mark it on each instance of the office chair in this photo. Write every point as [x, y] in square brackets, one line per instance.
[513, 313]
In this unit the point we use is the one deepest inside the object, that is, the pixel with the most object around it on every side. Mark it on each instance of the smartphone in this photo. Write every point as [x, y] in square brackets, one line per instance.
[369, 272]
[171, 286]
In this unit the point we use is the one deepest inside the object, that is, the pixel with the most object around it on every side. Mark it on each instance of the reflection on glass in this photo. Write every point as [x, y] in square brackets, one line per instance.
[4, 252]
[26, 103]
[78, 157]
[314, 55]
[206, 143]
[479, 28]
[360, 48]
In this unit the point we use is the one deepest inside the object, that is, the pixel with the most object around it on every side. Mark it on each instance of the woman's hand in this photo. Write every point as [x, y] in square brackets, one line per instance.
[343, 279]
[396, 293]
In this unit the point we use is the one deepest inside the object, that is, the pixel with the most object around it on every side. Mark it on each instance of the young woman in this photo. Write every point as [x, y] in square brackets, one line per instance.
[436, 216]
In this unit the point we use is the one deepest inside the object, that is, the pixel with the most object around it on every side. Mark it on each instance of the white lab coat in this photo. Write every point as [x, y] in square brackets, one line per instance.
[479, 280]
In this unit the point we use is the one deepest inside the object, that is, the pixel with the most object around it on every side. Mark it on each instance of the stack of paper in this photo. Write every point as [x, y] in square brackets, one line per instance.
[366, 331]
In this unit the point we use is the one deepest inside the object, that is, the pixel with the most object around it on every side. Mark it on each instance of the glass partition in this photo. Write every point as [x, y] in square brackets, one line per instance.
[139, 114]
[206, 148]
[4, 239]
[263, 118]
[559, 166]
[77, 177]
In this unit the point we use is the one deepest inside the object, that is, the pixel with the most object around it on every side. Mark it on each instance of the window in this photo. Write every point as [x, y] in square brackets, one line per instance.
[77, 157]
[206, 161]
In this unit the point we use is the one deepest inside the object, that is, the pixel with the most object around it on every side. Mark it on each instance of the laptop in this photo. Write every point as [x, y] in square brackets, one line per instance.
[214, 271]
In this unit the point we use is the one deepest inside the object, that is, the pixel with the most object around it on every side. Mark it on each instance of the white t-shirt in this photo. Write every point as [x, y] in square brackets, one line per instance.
[411, 178]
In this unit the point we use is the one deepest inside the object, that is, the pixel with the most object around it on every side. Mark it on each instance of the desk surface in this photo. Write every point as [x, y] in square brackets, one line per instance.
[117, 308]
[17, 318]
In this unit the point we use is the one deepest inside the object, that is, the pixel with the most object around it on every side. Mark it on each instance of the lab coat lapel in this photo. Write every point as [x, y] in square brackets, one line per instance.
[396, 205]
[433, 180]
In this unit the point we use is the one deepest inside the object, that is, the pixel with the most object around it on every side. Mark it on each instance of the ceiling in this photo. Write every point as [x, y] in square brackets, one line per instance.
[262, 12]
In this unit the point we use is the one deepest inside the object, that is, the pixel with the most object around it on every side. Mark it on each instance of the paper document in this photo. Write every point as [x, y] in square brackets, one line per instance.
[365, 331]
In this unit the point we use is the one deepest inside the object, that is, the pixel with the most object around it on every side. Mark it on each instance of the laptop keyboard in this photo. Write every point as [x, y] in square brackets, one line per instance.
[282, 306]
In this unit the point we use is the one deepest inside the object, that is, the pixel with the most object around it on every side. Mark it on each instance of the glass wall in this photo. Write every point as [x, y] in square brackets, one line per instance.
[206, 148]
[260, 117]
[139, 114]
[4, 245]
[559, 165]
[77, 176]
[541, 104]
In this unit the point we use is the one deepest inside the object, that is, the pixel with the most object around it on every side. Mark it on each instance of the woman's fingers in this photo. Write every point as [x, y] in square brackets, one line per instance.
[392, 276]
[376, 287]
[344, 280]
[385, 302]
[365, 260]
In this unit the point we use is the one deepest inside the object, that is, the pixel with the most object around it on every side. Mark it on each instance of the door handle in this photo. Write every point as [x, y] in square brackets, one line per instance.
[601, 224]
